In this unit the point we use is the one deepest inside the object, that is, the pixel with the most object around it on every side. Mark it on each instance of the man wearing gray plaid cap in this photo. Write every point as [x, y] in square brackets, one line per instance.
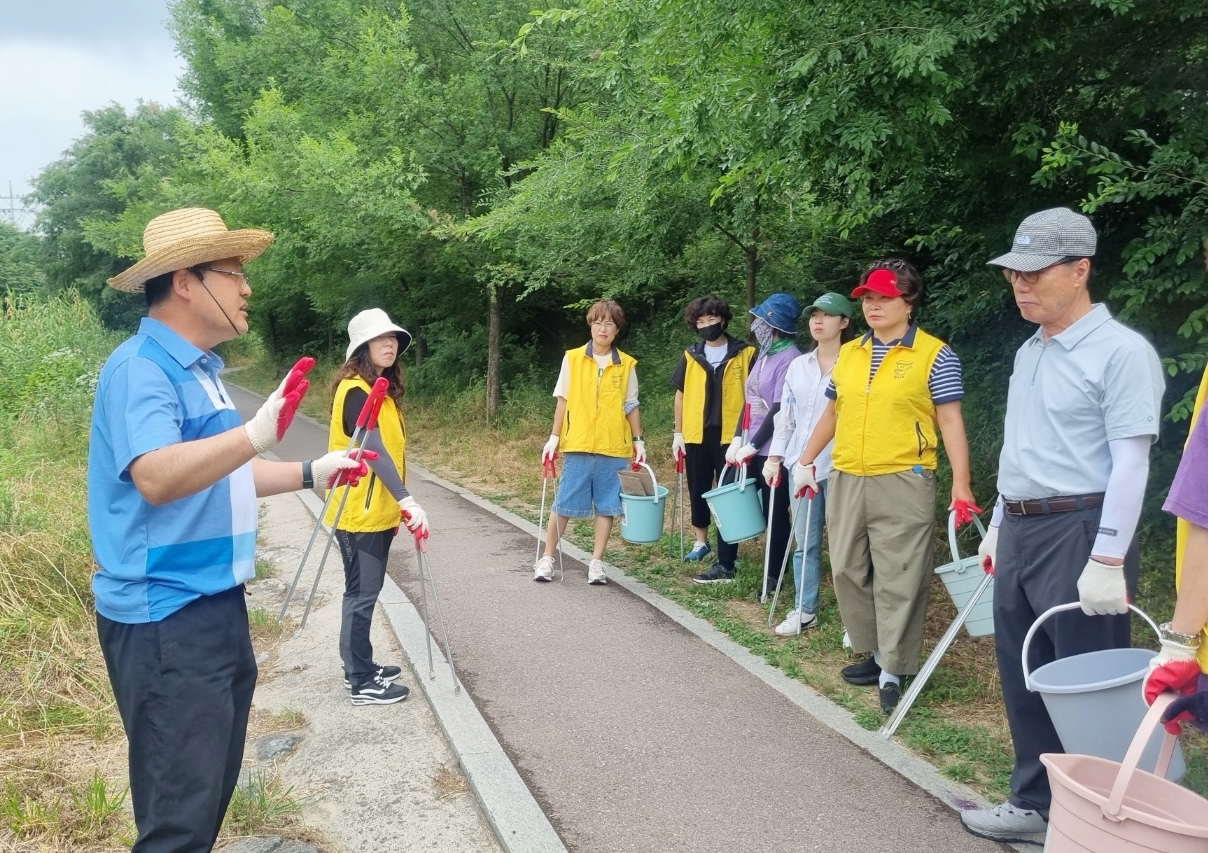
[1082, 410]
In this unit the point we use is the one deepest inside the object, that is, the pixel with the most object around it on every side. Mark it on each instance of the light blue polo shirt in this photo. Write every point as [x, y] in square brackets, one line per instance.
[1095, 382]
[157, 389]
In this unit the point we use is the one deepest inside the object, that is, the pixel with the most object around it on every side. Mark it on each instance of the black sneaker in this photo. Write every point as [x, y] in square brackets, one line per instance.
[387, 673]
[717, 574]
[375, 690]
[890, 694]
[866, 671]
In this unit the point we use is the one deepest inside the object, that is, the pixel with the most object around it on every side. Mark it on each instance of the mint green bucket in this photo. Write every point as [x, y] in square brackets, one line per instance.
[642, 515]
[736, 508]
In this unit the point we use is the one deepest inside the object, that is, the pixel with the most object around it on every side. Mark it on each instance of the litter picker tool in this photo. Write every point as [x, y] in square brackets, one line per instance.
[679, 496]
[933, 660]
[794, 516]
[549, 468]
[427, 579]
[366, 421]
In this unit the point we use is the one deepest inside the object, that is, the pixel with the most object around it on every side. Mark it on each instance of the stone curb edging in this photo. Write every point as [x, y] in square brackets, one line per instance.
[890, 753]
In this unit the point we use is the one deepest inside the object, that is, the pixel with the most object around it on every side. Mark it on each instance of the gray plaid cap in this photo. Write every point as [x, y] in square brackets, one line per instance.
[1045, 238]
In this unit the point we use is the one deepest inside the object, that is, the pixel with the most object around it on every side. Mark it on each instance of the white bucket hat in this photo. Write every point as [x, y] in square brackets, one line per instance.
[370, 323]
[185, 238]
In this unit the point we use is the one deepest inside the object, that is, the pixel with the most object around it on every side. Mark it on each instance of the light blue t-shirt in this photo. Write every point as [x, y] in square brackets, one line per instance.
[1095, 382]
[155, 390]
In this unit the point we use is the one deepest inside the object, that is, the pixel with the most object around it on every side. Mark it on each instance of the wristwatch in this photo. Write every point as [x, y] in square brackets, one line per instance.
[636, 439]
[1168, 633]
[308, 479]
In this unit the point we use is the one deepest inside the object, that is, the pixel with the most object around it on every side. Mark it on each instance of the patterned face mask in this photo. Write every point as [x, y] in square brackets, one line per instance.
[763, 332]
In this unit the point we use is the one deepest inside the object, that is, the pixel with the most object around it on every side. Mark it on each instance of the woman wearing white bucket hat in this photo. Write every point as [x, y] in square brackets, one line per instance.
[371, 513]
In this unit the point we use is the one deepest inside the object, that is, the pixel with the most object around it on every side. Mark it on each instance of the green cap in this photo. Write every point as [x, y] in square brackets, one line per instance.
[834, 303]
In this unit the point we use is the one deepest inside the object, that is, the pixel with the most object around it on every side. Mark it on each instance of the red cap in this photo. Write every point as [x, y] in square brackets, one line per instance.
[882, 281]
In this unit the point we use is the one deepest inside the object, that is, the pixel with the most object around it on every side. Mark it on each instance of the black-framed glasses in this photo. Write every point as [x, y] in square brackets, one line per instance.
[242, 276]
[1032, 277]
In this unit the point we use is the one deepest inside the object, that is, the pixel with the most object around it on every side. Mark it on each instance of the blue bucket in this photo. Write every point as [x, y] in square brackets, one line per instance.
[642, 515]
[736, 508]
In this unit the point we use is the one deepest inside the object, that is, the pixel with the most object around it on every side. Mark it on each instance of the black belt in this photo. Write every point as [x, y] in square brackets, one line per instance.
[1048, 506]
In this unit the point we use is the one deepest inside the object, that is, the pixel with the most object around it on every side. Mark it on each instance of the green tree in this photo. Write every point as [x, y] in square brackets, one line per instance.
[19, 269]
[98, 177]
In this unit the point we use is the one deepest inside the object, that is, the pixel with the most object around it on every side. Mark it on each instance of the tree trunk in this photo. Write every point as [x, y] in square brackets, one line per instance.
[494, 323]
[752, 253]
[420, 349]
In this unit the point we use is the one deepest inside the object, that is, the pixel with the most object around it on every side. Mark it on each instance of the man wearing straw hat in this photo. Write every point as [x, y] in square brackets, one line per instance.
[173, 478]
[1082, 410]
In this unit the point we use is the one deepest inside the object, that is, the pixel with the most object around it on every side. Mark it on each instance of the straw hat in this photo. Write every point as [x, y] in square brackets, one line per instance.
[183, 238]
[371, 323]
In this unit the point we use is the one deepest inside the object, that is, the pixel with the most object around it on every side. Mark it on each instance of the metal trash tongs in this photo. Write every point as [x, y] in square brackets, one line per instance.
[366, 422]
[426, 578]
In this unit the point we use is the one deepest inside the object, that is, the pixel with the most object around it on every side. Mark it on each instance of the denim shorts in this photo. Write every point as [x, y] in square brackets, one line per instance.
[589, 479]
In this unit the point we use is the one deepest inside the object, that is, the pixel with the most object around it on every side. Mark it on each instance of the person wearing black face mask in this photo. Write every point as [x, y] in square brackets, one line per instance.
[709, 394]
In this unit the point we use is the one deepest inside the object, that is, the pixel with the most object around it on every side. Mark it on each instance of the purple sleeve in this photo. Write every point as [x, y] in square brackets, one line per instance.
[1188, 498]
[779, 370]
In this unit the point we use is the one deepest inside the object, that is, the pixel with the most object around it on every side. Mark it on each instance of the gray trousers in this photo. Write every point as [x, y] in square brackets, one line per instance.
[365, 556]
[1038, 563]
[880, 531]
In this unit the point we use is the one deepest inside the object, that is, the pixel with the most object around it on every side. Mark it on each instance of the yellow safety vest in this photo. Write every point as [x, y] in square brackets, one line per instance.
[1182, 526]
[595, 405]
[733, 394]
[888, 424]
[370, 507]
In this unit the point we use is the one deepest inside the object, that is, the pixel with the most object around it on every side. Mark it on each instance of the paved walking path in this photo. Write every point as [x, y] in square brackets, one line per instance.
[633, 732]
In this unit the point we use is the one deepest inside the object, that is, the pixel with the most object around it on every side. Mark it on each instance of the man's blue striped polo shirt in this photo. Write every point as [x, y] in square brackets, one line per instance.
[157, 389]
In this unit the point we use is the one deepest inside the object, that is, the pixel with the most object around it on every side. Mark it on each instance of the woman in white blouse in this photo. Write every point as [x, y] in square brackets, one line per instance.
[803, 401]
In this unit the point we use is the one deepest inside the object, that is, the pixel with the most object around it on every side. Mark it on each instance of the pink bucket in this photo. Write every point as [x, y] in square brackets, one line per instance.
[1102, 806]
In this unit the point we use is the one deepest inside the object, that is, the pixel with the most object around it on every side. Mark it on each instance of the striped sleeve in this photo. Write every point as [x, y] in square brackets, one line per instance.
[945, 381]
[831, 393]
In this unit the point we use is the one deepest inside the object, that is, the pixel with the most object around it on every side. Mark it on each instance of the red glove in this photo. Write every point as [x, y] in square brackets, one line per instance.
[268, 426]
[1173, 668]
[337, 469]
[964, 511]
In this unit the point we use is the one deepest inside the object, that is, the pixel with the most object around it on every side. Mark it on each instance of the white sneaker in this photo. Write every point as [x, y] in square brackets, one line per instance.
[1006, 823]
[795, 622]
[595, 572]
[543, 569]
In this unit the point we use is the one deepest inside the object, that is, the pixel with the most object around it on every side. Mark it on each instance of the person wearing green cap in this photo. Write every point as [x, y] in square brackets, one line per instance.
[803, 400]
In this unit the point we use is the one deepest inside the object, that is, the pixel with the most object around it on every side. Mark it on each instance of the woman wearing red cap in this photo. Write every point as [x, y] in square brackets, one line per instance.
[893, 392]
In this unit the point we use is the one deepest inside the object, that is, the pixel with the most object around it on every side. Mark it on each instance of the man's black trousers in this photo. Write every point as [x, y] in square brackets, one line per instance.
[184, 690]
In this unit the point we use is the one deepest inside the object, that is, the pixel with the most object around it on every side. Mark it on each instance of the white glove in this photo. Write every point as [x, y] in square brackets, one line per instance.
[988, 549]
[771, 472]
[268, 426]
[639, 452]
[745, 454]
[804, 481]
[326, 469]
[736, 444]
[550, 450]
[1101, 589]
[413, 517]
[678, 448]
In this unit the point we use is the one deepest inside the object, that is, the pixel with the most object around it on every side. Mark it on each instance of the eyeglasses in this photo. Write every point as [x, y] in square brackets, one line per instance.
[1033, 277]
[242, 276]
[606, 324]
[895, 264]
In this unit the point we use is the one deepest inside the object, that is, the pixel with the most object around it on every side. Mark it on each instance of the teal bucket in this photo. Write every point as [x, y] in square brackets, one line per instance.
[642, 515]
[736, 508]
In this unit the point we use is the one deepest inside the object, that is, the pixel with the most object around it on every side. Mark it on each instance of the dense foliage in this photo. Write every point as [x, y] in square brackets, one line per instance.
[483, 170]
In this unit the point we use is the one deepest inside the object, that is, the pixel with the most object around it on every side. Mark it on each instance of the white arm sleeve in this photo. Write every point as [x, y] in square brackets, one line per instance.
[1125, 491]
[783, 422]
[996, 516]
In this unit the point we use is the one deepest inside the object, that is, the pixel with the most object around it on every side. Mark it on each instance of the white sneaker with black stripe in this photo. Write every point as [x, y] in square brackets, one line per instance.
[376, 690]
[386, 672]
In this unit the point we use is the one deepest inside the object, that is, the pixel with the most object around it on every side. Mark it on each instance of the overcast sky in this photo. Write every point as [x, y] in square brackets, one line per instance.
[61, 57]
